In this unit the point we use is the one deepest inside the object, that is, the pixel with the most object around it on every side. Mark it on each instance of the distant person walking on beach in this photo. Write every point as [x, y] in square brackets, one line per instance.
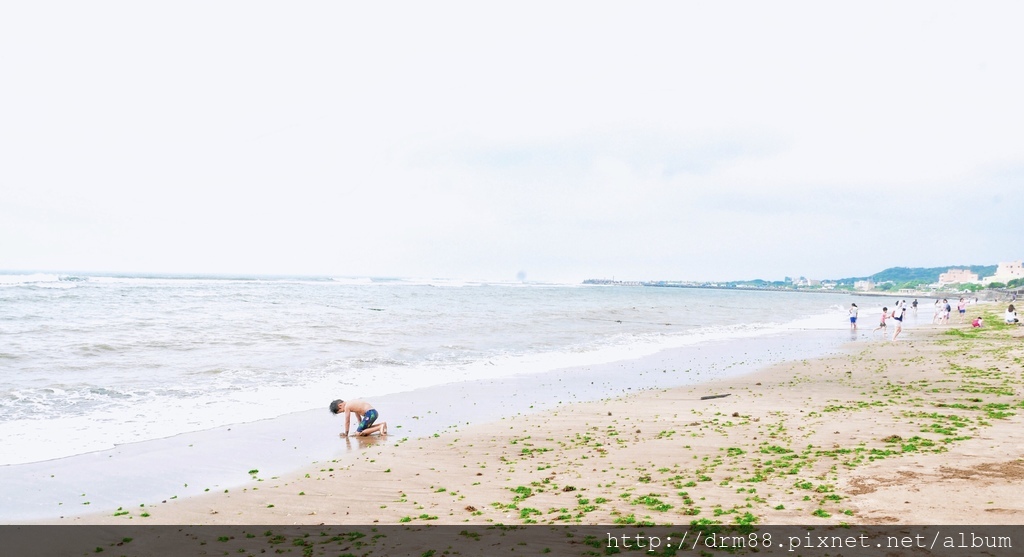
[946, 310]
[364, 413]
[898, 314]
[937, 313]
[853, 317]
[914, 307]
[962, 308]
[881, 324]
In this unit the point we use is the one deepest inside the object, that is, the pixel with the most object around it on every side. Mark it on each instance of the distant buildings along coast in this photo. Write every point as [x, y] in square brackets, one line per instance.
[893, 280]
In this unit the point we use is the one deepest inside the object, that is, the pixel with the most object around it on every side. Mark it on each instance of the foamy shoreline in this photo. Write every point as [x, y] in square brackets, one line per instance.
[188, 465]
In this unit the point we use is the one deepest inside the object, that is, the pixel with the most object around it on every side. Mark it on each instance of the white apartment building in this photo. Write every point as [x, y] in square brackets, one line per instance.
[1007, 272]
[958, 276]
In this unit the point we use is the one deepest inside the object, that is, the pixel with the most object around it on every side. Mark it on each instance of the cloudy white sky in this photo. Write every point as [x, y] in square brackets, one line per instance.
[562, 140]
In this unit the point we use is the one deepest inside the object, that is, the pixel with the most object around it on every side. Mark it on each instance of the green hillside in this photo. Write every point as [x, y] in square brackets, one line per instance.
[925, 275]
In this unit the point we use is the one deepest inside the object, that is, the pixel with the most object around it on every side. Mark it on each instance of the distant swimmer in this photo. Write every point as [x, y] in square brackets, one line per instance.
[364, 413]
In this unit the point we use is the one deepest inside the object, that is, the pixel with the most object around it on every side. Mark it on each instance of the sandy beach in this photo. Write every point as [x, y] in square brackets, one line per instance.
[886, 433]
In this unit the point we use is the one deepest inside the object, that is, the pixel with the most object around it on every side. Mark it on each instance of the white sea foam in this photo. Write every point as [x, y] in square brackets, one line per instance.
[121, 417]
[38, 280]
[133, 358]
[352, 280]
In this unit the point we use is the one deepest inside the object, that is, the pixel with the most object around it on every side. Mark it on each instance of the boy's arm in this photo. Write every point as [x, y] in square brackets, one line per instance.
[347, 414]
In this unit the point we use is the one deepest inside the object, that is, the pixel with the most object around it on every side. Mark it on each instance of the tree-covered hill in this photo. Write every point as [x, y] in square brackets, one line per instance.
[925, 275]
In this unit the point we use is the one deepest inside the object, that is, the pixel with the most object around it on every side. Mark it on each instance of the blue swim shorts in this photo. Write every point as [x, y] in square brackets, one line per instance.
[368, 418]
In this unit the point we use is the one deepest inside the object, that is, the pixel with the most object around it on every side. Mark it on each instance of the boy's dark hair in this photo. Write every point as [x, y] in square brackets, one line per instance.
[336, 405]
[885, 309]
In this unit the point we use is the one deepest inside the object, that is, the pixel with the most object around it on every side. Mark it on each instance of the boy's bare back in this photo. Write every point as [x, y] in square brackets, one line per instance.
[357, 406]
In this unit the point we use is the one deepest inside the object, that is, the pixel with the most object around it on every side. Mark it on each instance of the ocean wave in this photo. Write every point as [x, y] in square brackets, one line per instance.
[65, 400]
[361, 363]
[353, 281]
[56, 280]
[92, 349]
[441, 283]
[40, 280]
[17, 280]
[179, 282]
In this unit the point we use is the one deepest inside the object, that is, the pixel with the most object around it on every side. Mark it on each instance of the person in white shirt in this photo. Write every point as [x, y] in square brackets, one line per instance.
[1011, 316]
[897, 315]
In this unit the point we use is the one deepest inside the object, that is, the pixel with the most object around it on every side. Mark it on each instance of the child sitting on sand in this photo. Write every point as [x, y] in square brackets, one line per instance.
[977, 323]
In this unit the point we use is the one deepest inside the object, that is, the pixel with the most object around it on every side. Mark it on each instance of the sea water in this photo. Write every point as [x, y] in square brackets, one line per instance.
[88, 362]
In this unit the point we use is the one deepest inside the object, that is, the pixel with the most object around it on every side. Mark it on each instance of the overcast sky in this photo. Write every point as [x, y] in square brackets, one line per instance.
[481, 140]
